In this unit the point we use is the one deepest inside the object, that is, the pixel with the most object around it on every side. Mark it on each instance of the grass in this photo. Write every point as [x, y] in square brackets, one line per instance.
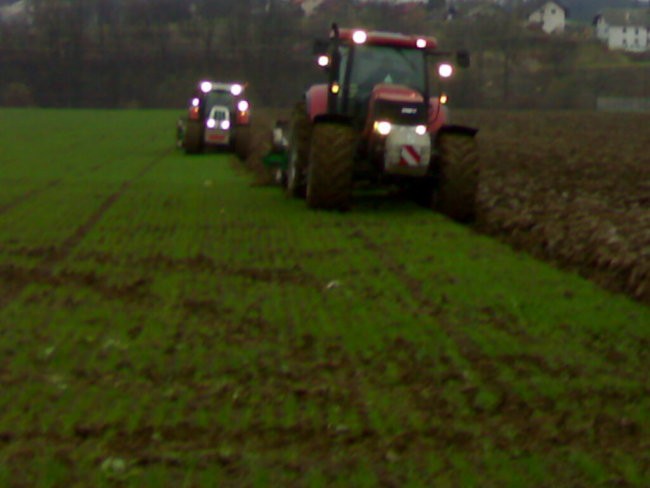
[163, 322]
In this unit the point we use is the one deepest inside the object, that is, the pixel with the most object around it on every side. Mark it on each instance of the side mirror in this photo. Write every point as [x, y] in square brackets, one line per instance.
[462, 59]
[321, 46]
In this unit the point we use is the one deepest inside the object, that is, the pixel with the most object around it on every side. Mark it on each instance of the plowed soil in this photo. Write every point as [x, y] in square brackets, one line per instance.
[573, 187]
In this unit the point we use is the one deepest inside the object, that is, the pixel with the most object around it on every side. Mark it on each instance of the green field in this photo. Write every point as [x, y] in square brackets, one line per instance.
[165, 322]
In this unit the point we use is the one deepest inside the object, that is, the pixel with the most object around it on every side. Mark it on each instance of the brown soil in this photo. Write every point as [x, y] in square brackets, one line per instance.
[572, 187]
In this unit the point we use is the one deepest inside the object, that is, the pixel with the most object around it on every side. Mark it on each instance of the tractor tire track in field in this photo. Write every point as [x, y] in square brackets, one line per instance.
[18, 280]
[34, 192]
[20, 199]
[78, 235]
[537, 421]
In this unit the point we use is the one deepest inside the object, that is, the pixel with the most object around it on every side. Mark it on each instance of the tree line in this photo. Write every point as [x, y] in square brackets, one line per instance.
[150, 53]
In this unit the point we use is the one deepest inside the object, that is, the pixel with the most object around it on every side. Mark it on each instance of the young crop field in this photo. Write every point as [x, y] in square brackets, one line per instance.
[165, 321]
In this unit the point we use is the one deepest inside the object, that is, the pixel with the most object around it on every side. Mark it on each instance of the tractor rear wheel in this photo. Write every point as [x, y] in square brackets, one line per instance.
[457, 175]
[243, 142]
[331, 159]
[300, 130]
[193, 138]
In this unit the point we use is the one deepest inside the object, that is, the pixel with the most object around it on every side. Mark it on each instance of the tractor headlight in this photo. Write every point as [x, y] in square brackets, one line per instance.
[421, 130]
[243, 106]
[195, 102]
[211, 123]
[421, 43]
[444, 99]
[206, 86]
[225, 124]
[383, 127]
[323, 61]
[445, 70]
[236, 90]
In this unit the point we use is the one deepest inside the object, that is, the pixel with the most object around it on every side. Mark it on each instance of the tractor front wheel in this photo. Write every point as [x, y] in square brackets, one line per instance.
[331, 159]
[193, 137]
[457, 172]
[300, 130]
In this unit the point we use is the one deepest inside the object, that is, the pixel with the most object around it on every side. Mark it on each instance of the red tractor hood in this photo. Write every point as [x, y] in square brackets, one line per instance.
[394, 93]
[391, 93]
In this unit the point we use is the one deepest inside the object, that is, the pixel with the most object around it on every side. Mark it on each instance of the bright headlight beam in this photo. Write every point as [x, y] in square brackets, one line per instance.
[206, 86]
[323, 61]
[225, 124]
[242, 106]
[211, 123]
[195, 102]
[421, 43]
[421, 130]
[236, 89]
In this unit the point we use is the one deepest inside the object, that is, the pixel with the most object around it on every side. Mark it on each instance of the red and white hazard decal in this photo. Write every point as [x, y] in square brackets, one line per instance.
[410, 156]
[216, 137]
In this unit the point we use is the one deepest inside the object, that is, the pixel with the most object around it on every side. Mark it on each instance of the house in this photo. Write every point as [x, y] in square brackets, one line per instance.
[548, 15]
[625, 29]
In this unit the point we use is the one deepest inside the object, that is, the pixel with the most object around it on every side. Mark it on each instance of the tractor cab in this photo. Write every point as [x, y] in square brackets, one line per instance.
[371, 67]
[213, 94]
[382, 74]
[201, 127]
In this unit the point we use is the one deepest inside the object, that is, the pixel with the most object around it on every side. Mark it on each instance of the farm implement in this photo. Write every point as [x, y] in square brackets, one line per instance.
[377, 119]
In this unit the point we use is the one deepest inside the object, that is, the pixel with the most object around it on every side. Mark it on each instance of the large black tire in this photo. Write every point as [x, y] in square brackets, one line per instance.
[300, 130]
[331, 160]
[243, 142]
[457, 172]
[193, 137]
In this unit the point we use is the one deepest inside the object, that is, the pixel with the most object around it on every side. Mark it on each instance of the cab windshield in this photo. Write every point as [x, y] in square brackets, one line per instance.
[386, 64]
[214, 98]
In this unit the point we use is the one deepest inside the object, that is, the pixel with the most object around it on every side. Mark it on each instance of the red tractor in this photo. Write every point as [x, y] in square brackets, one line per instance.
[218, 116]
[377, 119]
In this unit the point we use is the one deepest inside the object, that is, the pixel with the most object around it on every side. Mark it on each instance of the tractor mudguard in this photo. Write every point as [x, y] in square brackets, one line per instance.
[242, 118]
[438, 116]
[316, 100]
